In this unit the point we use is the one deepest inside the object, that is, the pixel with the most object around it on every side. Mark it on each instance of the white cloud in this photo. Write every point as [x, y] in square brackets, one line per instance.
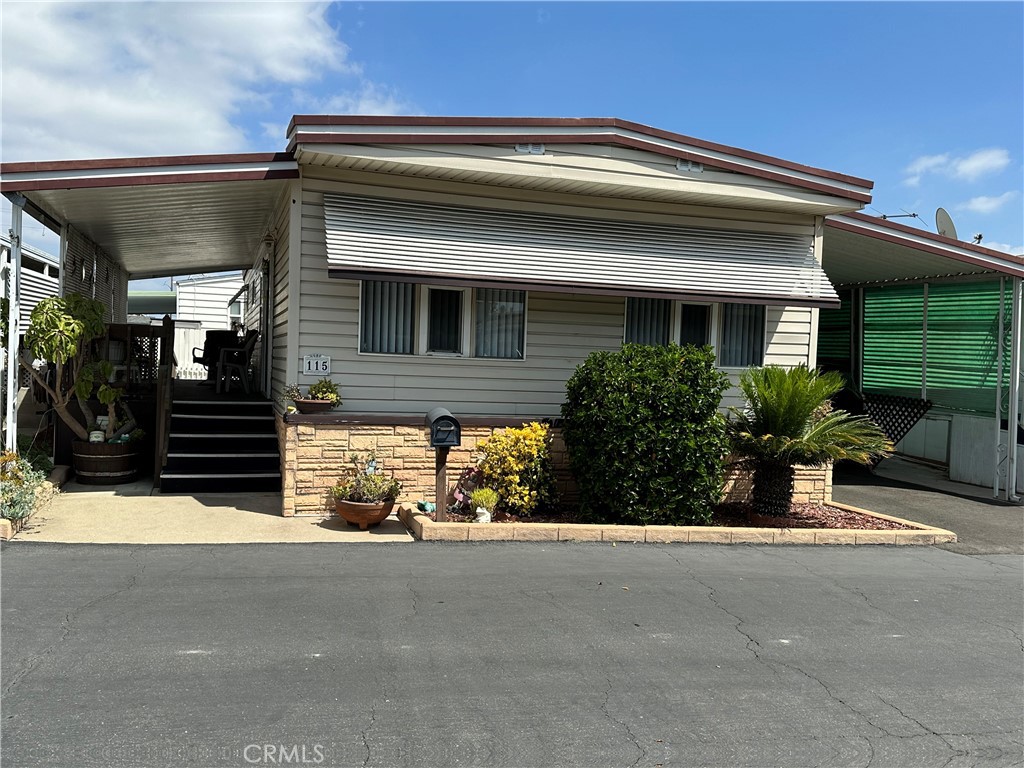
[369, 99]
[987, 204]
[981, 163]
[120, 79]
[922, 165]
[972, 167]
[1016, 250]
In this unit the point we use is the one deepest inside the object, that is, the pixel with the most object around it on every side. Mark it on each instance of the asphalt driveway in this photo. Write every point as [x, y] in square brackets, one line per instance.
[509, 654]
[982, 525]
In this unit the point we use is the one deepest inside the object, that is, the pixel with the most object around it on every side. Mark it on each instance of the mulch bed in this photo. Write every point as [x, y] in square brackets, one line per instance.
[742, 515]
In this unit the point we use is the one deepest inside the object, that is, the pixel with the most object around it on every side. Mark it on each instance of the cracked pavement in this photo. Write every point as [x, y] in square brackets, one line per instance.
[510, 654]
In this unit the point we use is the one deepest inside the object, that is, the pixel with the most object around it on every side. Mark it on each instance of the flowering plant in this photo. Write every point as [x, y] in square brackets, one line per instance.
[517, 464]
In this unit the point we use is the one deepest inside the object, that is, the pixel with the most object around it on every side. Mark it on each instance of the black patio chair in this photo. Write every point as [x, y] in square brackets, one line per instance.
[236, 360]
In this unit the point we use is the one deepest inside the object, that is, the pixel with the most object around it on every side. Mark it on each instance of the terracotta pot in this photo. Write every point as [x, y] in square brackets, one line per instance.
[363, 515]
[104, 463]
[313, 406]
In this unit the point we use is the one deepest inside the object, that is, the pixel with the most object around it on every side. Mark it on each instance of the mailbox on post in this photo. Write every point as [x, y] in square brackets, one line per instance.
[444, 429]
[444, 432]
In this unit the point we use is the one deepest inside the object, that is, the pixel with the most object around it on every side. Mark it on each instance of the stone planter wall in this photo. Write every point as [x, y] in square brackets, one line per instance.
[314, 456]
[315, 450]
[810, 484]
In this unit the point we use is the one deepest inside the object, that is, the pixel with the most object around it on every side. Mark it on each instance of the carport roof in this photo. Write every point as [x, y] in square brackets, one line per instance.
[160, 215]
[861, 249]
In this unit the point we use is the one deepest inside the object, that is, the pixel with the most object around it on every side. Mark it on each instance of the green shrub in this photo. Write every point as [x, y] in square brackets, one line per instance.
[18, 483]
[645, 438]
[516, 462]
[37, 451]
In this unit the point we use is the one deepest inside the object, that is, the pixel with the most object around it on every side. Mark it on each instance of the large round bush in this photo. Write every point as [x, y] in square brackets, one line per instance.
[646, 440]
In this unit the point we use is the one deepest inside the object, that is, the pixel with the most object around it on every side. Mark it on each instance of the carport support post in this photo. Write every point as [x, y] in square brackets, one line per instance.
[13, 326]
[1014, 409]
[441, 484]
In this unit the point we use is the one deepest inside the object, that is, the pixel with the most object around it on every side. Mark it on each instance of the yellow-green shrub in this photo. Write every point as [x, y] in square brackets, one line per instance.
[517, 464]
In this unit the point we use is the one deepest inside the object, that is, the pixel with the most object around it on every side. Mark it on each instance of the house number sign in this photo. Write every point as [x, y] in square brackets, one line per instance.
[316, 365]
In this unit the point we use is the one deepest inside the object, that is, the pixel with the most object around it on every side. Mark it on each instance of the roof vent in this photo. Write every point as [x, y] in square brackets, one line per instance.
[689, 166]
[530, 149]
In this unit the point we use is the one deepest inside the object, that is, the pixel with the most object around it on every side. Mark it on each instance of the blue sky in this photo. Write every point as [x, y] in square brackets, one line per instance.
[926, 99]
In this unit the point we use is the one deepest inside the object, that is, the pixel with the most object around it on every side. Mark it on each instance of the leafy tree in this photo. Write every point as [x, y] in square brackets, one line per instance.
[59, 331]
[788, 420]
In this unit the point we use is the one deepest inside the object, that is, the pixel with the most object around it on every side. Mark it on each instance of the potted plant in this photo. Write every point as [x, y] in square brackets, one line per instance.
[320, 397]
[60, 329]
[367, 495]
[485, 501]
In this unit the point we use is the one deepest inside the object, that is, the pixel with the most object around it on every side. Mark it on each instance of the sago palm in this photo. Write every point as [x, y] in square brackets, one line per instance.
[787, 420]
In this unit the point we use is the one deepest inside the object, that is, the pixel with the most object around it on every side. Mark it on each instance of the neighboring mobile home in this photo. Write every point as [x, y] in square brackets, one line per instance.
[472, 263]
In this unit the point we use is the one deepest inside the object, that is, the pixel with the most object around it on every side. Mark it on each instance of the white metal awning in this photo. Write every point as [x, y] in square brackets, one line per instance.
[164, 215]
[423, 242]
[862, 250]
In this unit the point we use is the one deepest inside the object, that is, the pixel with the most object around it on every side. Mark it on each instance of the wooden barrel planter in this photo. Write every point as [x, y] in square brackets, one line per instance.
[104, 463]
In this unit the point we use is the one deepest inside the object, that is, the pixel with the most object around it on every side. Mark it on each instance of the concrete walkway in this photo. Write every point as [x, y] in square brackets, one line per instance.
[134, 514]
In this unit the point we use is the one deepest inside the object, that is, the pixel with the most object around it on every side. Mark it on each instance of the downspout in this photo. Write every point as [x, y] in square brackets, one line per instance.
[13, 325]
[1014, 412]
[999, 390]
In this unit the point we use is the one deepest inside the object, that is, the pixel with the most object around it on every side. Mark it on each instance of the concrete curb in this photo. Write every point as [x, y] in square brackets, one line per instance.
[425, 529]
[44, 494]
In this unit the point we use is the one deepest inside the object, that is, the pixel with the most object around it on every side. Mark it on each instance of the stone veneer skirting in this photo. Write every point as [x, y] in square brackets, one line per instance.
[315, 451]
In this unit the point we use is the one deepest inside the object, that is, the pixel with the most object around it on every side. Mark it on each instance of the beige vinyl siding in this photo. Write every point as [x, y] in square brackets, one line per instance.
[78, 266]
[561, 330]
[34, 287]
[206, 301]
[280, 374]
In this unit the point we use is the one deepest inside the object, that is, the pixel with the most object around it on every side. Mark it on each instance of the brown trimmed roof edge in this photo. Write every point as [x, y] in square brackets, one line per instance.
[903, 228]
[146, 162]
[147, 180]
[569, 122]
[362, 139]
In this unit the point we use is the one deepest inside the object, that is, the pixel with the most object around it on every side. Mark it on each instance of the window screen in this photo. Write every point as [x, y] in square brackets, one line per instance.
[387, 317]
[742, 336]
[500, 323]
[647, 321]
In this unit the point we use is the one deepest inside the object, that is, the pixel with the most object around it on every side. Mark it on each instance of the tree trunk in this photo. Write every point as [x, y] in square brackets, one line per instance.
[773, 488]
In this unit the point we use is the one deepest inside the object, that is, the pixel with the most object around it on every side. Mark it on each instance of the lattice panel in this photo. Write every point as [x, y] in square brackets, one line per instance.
[895, 415]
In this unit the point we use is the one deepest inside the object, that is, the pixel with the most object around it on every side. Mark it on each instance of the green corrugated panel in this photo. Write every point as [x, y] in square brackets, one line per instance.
[834, 334]
[963, 326]
[893, 333]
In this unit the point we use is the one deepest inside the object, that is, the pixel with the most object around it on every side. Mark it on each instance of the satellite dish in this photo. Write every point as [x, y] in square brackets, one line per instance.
[944, 224]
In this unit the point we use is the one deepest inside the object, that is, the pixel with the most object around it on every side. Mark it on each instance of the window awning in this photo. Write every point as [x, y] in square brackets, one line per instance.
[371, 238]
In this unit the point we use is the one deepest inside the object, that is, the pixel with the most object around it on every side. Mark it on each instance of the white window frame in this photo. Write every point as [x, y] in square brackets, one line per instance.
[677, 320]
[714, 329]
[423, 319]
[241, 311]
